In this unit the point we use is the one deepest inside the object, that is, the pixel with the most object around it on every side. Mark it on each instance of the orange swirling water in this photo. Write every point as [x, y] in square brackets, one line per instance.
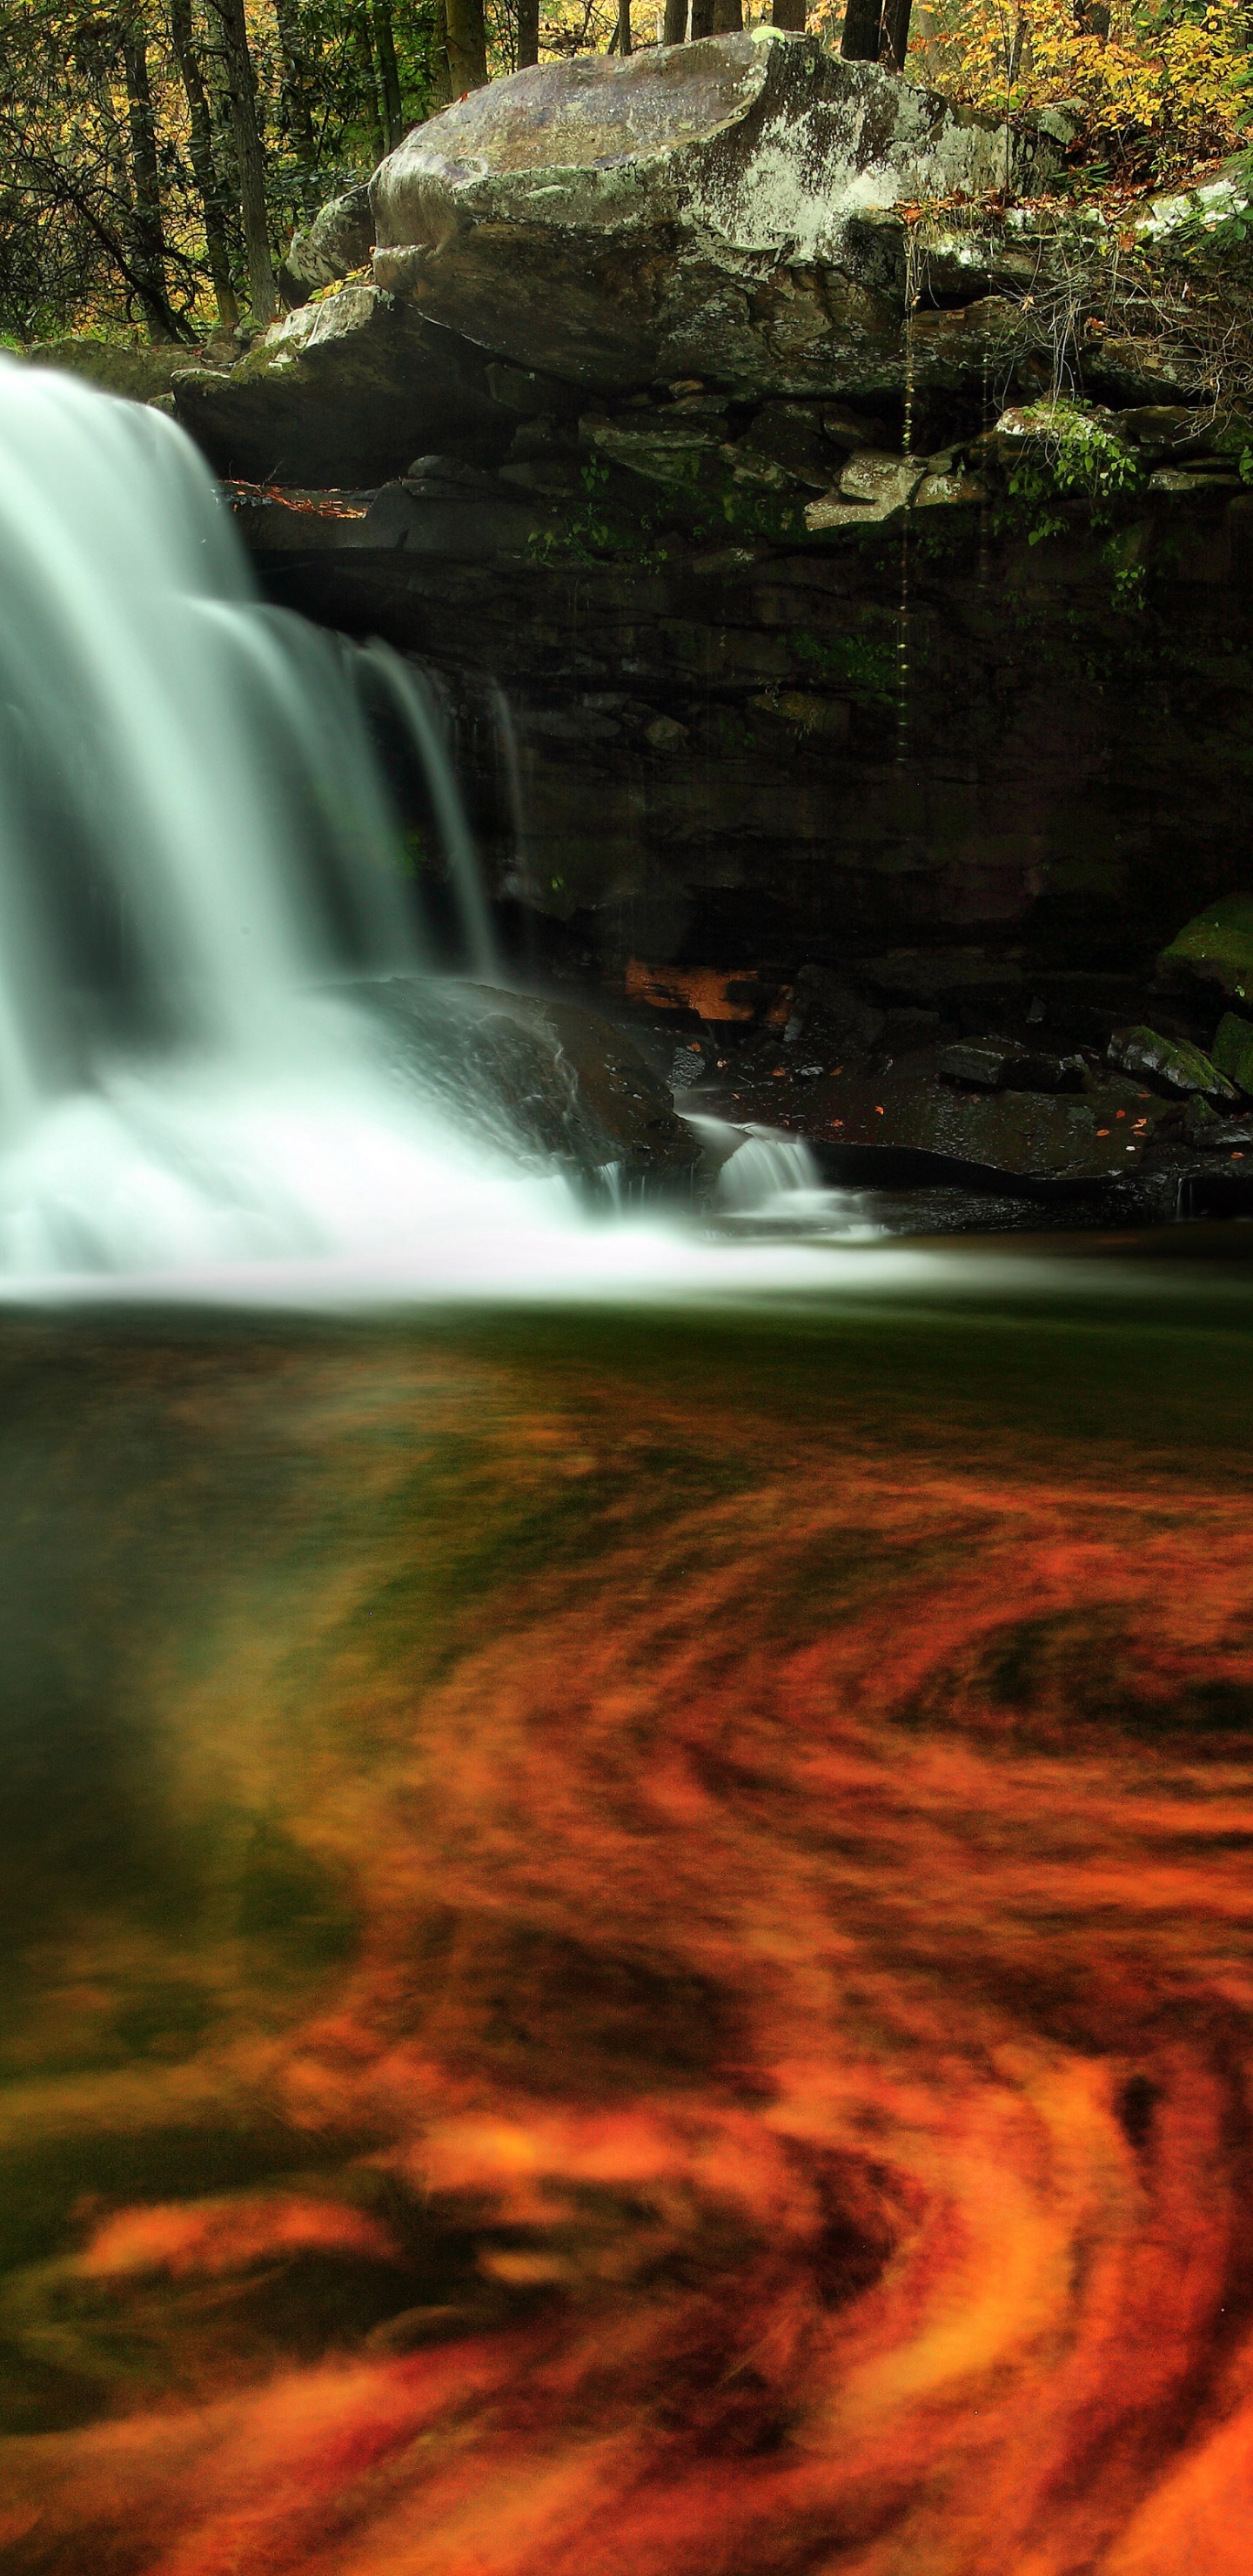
[656, 1974]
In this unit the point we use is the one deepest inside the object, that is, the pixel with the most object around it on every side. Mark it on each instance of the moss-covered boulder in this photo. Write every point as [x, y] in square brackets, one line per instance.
[1232, 1051]
[1218, 944]
[140, 374]
[1172, 1062]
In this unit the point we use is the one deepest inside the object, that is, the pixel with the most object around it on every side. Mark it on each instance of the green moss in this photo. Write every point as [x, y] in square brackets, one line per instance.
[1232, 1051]
[1219, 943]
[864, 665]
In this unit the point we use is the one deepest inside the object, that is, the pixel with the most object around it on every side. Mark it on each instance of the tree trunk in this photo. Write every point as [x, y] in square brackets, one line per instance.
[149, 230]
[728, 17]
[467, 46]
[441, 77]
[894, 36]
[789, 14]
[675, 27]
[702, 19]
[860, 40]
[242, 91]
[364, 52]
[200, 123]
[528, 33]
[294, 69]
[389, 72]
[624, 26]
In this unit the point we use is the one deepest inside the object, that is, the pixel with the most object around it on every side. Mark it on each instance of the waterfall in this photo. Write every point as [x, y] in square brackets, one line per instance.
[200, 858]
[197, 845]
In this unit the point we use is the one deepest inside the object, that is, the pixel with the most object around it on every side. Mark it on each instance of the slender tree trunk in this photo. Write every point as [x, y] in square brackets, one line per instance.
[294, 68]
[624, 26]
[200, 123]
[441, 77]
[389, 71]
[675, 27]
[364, 52]
[250, 159]
[894, 36]
[860, 40]
[702, 19]
[789, 14]
[728, 17]
[150, 253]
[467, 46]
[528, 33]
[928, 41]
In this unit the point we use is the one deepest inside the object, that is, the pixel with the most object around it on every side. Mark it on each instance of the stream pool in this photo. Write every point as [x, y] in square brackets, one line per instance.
[629, 1931]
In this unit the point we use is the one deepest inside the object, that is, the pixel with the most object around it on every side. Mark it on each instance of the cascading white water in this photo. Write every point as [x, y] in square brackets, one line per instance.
[194, 836]
[196, 846]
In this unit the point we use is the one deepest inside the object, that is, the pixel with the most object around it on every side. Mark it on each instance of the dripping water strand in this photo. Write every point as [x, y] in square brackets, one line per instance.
[907, 447]
[413, 693]
[985, 423]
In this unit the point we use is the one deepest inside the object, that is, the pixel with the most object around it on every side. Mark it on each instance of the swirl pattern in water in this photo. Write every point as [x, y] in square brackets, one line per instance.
[631, 1954]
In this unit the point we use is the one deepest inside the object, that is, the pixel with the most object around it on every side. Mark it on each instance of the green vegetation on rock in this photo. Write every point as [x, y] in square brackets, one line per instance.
[1218, 944]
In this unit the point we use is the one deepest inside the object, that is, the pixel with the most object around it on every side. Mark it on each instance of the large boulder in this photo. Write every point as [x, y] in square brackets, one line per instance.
[723, 209]
[343, 392]
[338, 241]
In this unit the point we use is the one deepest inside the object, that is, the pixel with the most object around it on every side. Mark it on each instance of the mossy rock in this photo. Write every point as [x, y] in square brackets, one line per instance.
[1232, 1051]
[1218, 943]
[113, 366]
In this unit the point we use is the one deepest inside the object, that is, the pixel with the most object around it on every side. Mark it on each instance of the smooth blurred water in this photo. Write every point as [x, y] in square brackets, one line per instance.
[195, 836]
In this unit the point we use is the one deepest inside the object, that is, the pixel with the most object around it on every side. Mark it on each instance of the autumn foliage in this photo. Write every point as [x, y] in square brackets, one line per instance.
[1153, 90]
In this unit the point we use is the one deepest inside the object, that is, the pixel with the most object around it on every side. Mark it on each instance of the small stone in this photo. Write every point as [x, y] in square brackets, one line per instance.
[981, 1062]
[1164, 427]
[450, 474]
[885, 482]
[665, 734]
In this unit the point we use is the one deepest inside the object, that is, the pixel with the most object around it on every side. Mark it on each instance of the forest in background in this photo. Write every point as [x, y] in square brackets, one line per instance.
[156, 156]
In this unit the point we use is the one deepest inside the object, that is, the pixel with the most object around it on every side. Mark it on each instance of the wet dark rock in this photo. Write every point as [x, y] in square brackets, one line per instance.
[932, 975]
[449, 474]
[792, 435]
[343, 392]
[1204, 1128]
[544, 1082]
[982, 1064]
[996, 1065]
[829, 1013]
[1182, 1068]
[909, 1110]
[688, 212]
[751, 805]
[456, 523]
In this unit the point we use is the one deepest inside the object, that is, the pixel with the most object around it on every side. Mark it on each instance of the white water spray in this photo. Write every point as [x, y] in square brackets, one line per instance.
[197, 847]
[194, 836]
